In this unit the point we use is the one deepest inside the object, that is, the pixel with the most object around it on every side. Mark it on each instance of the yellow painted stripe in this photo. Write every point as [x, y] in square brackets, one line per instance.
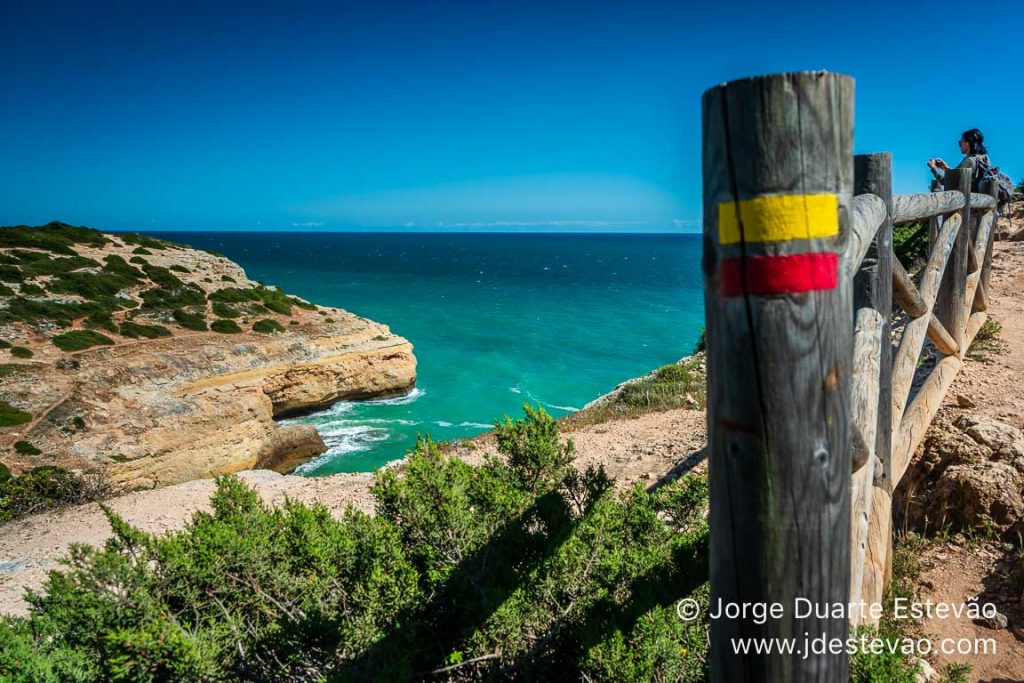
[779, 217]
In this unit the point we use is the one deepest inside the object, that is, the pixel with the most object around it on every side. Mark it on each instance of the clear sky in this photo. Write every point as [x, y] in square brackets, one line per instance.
[461, 115]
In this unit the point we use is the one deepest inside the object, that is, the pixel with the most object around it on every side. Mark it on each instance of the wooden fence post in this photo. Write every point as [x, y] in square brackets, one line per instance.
[872, 287]
[991, 188]
[949, 306]
[778, 181]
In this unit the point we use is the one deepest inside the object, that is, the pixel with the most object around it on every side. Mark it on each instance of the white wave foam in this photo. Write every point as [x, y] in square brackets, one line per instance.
[397, 400]
[477, 425]
[515, 390]
[552, 405]
[442, 423]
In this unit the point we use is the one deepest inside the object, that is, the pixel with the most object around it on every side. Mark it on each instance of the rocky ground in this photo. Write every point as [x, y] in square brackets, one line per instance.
[199, 397]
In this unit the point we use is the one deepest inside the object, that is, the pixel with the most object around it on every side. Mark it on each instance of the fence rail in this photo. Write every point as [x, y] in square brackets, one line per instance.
[813, 413]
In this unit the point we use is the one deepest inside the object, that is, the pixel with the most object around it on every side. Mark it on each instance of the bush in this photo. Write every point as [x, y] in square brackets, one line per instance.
[39, 489]
[135, 330]
[143, 241]
[178, 268]
[679, 385]
[462, 566]
[78, 340]
[25, 448]
[21, 352]
[142, 251]
[273, 299]
[11, 274]
[11, 416]
[267, 326]
[224, 311]
[54, 237]
[29, 289]
[225, 326]
[190, 321]
[4, 344]
[138, 260]
[910, 244]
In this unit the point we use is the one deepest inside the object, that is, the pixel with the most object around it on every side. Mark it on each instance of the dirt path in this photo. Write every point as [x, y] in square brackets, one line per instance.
[957, 571]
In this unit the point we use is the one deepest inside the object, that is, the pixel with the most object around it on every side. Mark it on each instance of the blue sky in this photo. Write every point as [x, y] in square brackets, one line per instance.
[456, 115]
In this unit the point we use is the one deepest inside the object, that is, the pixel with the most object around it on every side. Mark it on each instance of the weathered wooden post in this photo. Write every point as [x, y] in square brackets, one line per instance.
[872, 287]
[778, 181]
[949, 306]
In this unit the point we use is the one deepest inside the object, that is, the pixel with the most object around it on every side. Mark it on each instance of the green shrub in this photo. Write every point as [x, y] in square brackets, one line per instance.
[142, 251]
[4, 344]
[11, 274]
[673, 386]
[138, 260]
[190, 321]
[462, 564]
[135, 330]
[6, 291]
[224, 310]
[11, 416]
[21, 352]
[25, 448]
[227, 278]
[267, 326]
[78, 340]
[178, 268]
[39, 489]
[225, 326]
[910, 244]
[55, 237]
[78, 422]
[34, 263]
[273, 299]
[143, 241]
[29, 289]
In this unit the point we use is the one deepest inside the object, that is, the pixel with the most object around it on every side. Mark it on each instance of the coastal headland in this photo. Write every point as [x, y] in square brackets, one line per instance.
[153, 364]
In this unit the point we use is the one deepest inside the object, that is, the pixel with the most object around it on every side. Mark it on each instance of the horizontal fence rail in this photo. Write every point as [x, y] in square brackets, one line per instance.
[812, 420]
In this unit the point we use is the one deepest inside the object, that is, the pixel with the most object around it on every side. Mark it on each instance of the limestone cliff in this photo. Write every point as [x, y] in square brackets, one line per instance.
[188, 403]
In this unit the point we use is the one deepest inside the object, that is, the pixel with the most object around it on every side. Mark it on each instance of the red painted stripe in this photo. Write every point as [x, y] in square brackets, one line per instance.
[768, 275]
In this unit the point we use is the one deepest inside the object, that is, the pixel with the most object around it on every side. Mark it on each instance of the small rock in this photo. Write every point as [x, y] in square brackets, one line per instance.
[965, 402]
[926, 673]
[997, 621]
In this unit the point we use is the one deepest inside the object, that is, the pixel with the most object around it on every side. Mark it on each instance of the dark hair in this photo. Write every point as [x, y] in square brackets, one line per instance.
[975, 141]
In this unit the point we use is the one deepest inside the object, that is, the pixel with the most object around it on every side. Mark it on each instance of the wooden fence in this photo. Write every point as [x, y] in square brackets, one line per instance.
[814, 412]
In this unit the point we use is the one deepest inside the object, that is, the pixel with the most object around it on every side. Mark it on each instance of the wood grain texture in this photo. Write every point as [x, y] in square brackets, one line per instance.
[867, 346]
[910, 208]
[869, 211]
[914, 331]
[779, 377]
[904, 291]
[973, 285]
[949, 306]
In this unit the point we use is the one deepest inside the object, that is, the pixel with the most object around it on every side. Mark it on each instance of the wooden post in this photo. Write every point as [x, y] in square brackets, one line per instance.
[778, 182]
[949, 307]
[989, 187]
[872, 287]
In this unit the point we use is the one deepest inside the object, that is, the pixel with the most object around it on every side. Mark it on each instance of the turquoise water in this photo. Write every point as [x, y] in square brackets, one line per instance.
[495, 319]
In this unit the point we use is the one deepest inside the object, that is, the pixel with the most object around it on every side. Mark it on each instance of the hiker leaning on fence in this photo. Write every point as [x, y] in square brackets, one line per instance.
[972, 146]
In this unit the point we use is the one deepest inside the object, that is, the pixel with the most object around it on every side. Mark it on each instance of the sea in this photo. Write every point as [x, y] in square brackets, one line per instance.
[496, 320]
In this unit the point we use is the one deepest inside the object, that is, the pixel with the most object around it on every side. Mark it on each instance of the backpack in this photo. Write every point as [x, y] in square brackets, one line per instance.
[986, 172]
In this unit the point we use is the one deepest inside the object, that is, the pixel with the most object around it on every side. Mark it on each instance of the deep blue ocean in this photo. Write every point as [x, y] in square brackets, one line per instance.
[496, 320]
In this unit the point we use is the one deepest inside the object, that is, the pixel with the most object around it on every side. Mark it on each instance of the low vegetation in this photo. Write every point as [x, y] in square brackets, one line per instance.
[986, 342]
[267, 326]
[520, 568]
[11, 416]
[678, 385]
[26, 448]
[910, 245]
[225, 326]
[79, 340]
[21, 352]
[39, 489]
[134, 330]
